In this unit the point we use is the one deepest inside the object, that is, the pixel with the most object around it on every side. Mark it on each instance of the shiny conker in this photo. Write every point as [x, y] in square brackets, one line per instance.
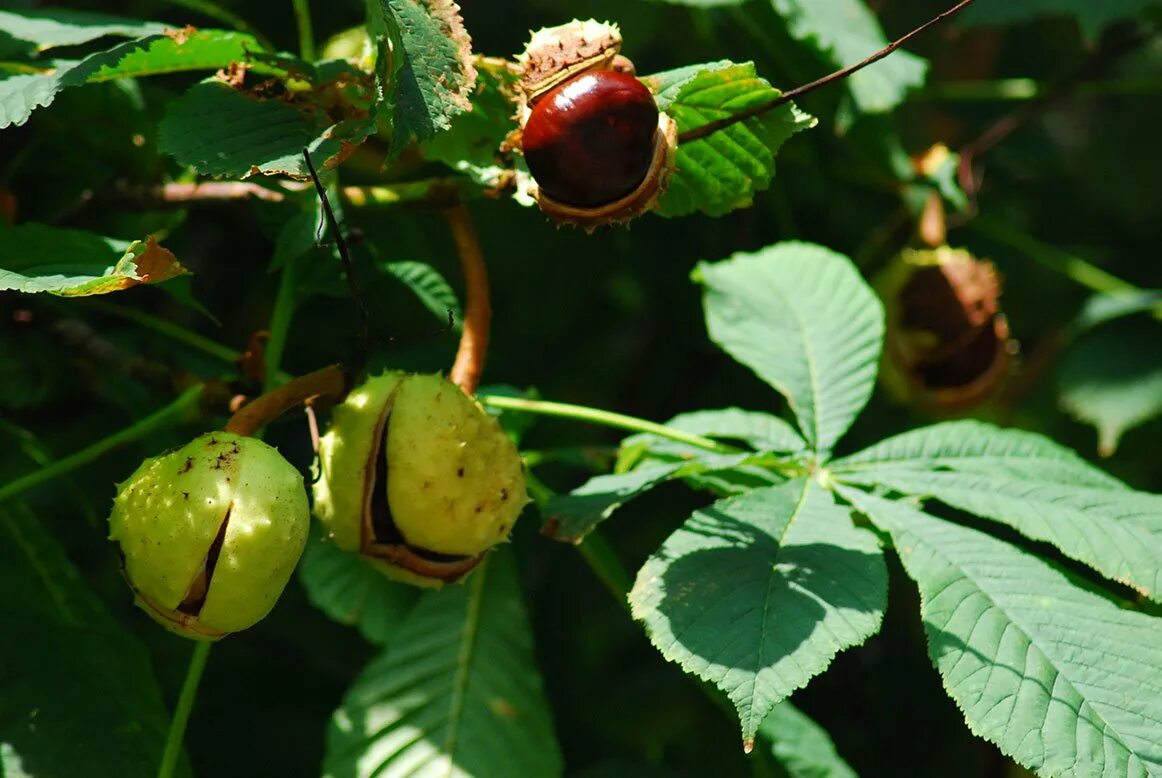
[590, 140]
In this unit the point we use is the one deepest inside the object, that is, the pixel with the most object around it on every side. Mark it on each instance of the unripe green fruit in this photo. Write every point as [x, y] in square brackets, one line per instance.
[210, 533]
[417, 478]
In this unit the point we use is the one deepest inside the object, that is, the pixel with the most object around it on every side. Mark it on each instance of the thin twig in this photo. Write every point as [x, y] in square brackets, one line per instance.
[176, 194]
[330, 382]
[470, 355]
[709, 129]
[348, 265]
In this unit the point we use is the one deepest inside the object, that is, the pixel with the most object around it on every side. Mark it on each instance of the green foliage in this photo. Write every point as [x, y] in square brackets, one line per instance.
[50, 28]
[1062, 679]
[804, 321]
[74, 263]
[757, 594]
[717, 174]
[352, 592]
[876, 89]
[1112, 380]
[35, 84]
[455, 690]
[79, 693]
[1038, 574]
[433, 76]
[802, 747]
[265, 136]
[426, 283]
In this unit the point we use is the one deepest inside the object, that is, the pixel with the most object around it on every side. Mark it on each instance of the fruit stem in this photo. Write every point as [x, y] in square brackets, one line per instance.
[330, 381]
[181, 714]
[176, 410]
[606, 418]
[712, 127]
[470, 355]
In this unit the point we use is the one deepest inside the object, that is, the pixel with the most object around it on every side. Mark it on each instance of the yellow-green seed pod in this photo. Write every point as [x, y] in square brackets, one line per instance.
[417, 478]
[947, 345]
[210, 533]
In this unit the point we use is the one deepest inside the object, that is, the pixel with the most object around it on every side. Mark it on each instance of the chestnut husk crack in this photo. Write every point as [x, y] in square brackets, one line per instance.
[381, 537]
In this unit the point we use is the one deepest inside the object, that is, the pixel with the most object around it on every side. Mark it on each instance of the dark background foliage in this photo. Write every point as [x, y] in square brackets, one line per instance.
[608, 320]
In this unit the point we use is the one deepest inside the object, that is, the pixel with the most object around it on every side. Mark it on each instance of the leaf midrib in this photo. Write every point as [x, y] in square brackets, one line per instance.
[463, 663]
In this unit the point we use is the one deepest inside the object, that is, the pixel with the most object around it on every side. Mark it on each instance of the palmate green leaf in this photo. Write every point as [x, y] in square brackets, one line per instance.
[1091, 16]
[804, 320]
[570, 517]
[844, 32]
[79, 696]
[435, 77]
[1061, 679]
[722, 172]
[977, 447]
[1112, 379]
[803, 748]
[456, 693]
[430, 287]
[758, 593]
[37, 85]
[353, 592]
[75, 263]
[1116, 532]
[47, 28]
[221, 131]
[762, 432]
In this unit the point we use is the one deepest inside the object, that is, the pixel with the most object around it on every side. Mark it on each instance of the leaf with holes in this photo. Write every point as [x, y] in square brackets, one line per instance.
[223, 131]
[722, 172]
[1061, 679]
[435, 77]
[804, 320]
[455, 693]
[758, 593]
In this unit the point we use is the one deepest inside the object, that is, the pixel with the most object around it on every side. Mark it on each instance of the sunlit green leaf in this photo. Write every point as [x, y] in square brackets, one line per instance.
[722, 172]
[844, 32]
[803, 748]
[758, 593]
[804, 320]
[1061, 679]
[455, 693]
[74, 263]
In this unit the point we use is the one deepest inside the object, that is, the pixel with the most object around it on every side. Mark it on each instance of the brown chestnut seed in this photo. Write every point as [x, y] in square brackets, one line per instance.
[590, 140]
